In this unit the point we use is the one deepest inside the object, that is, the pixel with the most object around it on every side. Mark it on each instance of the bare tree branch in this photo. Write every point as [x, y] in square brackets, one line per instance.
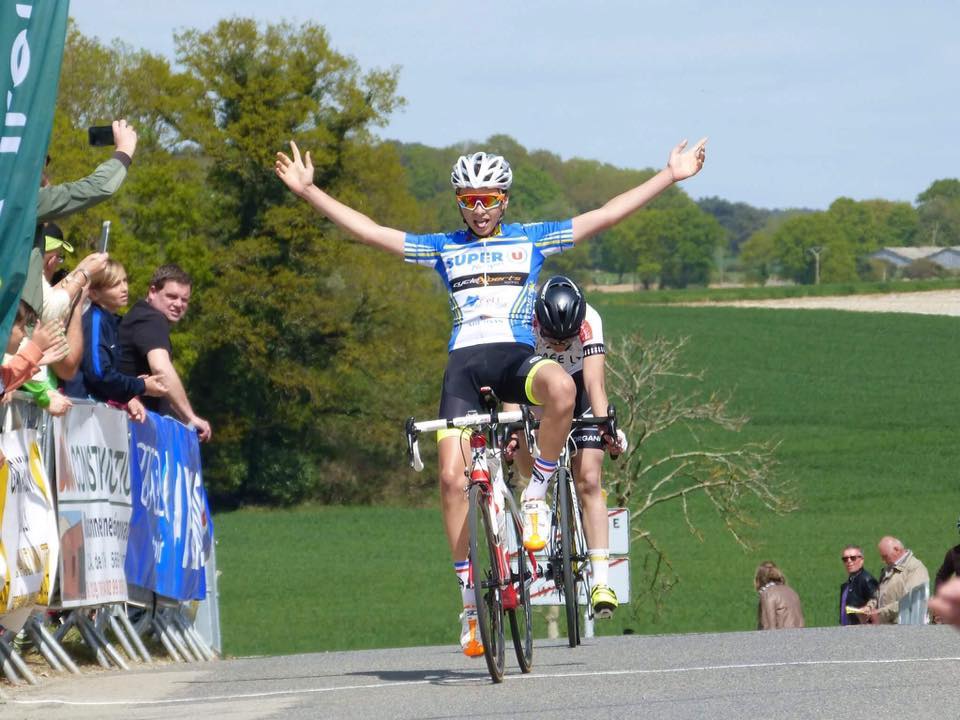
[736, 482]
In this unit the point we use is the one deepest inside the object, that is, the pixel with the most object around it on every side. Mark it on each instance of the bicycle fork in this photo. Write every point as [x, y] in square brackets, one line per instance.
[480, 474]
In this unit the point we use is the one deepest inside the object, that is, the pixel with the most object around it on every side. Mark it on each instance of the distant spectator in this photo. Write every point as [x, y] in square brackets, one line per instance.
[950, 566]
[145, 347]
[100, 377]
[902, 573]
[859, 589]
[779, 605]
[945, 605]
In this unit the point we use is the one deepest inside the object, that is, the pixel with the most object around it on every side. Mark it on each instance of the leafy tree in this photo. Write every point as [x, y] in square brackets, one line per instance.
[758, 256]
[795, 240]
[938, 208]
[739, 220]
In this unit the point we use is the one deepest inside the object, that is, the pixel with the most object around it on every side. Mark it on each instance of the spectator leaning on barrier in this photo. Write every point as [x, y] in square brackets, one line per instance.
[779, 605]
[145, 347]
[902, 573]
[99, 376]
[860, 588]
[60, 300]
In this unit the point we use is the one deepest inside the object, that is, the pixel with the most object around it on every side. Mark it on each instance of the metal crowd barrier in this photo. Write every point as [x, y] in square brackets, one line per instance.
[913, 606]
[188, 632]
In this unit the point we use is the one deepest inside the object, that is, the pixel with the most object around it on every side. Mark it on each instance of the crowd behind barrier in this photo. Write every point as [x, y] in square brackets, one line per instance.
[102, 520]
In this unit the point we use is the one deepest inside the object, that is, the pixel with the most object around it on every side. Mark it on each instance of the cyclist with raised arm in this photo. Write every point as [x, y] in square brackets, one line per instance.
[569, 331]
[490, 269]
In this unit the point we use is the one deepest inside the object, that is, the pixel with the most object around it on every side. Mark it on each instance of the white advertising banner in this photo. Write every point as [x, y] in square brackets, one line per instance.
[545, 592]
[93, 504]
[28, 529]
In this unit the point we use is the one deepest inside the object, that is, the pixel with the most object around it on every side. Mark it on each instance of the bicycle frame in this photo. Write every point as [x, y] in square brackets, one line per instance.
[567, 553]
[490, 501]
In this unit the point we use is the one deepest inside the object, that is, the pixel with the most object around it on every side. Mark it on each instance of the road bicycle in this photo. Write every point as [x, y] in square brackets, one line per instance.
[501, 571]
[567, 556]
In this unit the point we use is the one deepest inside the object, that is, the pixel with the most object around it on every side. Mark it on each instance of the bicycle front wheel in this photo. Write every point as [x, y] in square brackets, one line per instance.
[521, 577]
[568, 550]
[485, 568]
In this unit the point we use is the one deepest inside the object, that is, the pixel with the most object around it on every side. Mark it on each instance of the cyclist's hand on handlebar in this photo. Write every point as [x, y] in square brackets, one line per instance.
[511, 446]
[615, 446]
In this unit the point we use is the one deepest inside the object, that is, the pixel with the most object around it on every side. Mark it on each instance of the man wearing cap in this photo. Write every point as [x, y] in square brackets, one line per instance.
[58, 300]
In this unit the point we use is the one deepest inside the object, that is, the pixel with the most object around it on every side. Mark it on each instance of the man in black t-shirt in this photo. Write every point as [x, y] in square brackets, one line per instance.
[145, 347]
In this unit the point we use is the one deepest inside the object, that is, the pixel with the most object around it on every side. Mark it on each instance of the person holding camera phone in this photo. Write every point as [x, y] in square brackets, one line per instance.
[56, 201]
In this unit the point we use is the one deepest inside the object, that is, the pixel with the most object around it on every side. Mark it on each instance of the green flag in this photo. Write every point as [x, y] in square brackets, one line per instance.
[32, 34]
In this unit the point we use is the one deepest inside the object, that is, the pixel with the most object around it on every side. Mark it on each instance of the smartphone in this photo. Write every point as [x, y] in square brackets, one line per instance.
[100, 135]
[104, 236]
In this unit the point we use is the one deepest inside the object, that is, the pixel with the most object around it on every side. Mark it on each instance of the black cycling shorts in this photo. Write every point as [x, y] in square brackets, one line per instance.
[585, 437]
[507, 368]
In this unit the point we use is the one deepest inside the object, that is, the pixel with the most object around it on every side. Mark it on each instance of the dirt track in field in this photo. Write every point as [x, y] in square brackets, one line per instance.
[931, 302]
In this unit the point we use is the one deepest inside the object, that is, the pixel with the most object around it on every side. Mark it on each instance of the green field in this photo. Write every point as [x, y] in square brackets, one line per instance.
[864, 406]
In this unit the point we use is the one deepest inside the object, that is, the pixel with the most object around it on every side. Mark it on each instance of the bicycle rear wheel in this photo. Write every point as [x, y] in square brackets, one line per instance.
[568, 559]
[521, 617]
[486, 580]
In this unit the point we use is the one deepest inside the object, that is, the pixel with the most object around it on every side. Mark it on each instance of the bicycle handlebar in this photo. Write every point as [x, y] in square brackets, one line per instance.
[521, 418]
[466, 421]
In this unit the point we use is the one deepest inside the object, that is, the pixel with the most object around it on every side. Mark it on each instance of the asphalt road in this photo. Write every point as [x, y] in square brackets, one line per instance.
[900, 672]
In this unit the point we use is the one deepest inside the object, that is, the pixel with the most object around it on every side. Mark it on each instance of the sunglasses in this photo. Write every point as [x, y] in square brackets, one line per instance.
[566, 342]
[487, 200]
[851, 558]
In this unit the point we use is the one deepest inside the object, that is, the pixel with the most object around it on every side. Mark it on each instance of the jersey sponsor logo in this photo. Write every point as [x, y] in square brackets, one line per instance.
[476, 301]
[564, 358]
[488, 280]
[475, 258]
[586, 332]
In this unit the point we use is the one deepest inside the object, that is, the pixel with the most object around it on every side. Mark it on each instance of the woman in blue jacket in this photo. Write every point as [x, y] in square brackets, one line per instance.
[100, 377]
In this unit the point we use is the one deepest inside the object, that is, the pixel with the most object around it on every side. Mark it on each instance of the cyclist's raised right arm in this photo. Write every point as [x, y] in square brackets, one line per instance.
[297, 174]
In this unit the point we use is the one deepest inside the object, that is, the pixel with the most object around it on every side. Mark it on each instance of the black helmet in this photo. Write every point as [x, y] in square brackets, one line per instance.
[560, 308]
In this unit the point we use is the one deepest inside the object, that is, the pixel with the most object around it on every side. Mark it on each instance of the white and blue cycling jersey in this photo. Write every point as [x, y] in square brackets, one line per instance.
[491, 281]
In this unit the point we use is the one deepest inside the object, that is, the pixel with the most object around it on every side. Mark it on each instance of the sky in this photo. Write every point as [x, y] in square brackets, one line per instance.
[802, 102]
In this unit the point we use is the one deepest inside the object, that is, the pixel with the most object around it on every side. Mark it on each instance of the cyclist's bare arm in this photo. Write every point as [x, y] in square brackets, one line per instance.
[594, 382]
[680, 166]
[297, 174]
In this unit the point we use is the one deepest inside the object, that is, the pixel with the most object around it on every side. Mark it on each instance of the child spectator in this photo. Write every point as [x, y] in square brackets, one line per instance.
[100, 377]
[25, 356]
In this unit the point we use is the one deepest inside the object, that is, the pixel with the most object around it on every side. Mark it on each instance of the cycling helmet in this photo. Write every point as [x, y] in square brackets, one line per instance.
[481, 170]
[560, 308]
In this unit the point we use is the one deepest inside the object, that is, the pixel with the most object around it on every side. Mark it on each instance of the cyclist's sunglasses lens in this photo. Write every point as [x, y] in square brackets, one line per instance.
[487, 201]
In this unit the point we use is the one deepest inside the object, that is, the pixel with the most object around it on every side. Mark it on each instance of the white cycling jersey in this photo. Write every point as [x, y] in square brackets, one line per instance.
[491, 281]
[588, 342]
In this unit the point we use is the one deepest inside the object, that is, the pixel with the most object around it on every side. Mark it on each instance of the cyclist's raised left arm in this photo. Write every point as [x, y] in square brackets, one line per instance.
[680, 166]
[297, 174]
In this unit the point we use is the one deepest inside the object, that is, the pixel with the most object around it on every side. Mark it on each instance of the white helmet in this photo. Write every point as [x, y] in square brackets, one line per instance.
[481, 170]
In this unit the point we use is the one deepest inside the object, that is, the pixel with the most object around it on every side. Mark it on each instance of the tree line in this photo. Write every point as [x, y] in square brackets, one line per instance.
[304, 349]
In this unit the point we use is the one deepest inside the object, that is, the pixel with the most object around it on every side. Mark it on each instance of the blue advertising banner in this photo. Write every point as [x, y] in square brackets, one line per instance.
[170, 529]
[32, 35]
